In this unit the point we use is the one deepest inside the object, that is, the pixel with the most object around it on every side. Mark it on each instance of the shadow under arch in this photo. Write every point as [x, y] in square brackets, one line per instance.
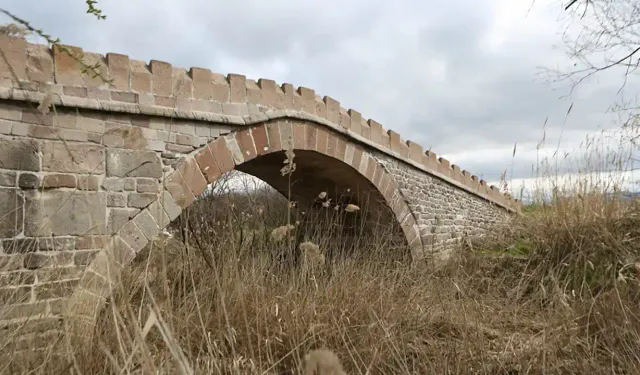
[326, 159]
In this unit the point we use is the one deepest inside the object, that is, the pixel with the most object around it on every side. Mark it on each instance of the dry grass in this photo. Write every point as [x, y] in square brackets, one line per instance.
[232, 292]
[232, 303]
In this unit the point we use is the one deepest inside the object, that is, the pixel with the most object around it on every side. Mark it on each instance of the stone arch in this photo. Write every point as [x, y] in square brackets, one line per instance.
[192, 175]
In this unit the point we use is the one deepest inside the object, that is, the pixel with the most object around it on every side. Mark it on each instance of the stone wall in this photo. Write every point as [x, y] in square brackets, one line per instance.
[91, 171]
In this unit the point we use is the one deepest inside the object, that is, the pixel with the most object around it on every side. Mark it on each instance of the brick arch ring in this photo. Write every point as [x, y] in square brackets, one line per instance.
[204, 166]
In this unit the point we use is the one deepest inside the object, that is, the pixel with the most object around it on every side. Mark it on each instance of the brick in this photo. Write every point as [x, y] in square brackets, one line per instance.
[170, 205]
[116, 200]
[222, 155]
[357, 158]
[159, 215]
[56, 243]
[186, 140]
[333, 109]
[11, 216]
[11, 262]
[24, 310]
[8, 178]
[118, 217]
[415, 151]
[179, 190]
[29, 180]
[80, 92]
[34, 261]
[356, 121]
[129, 184]
[181, 83]
[371, 168]
[238, 89]
[68, 71]
[84, 258]
[90, 183]
[20, 245]
[55, 290]
[6, 126]
[322, 140]
[133, 236]
[341, 149]
[162, 82]
[133, 163]
[39, 64]
[260, 140]
[147, 225]
[14, 61]
[299, 135]
[19, 154]
[72, 157]
[207, 165]
[273, 133]
[179, 148]
[122, 96]
[11, 296]
[58, 180]
[91, 242]
[60, 212]
[44, 132]
[271, 96]
[202, 83]
[332, 144]
[141, 200]
[140, 77]
[147, 185]
[308, 97]
[119, 70]
[235, 109]
[246, 144]
[234, 149]
[311, 137]
[113, 184]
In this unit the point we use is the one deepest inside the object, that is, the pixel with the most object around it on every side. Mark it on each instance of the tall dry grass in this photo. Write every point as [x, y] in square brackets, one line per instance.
[246, 284]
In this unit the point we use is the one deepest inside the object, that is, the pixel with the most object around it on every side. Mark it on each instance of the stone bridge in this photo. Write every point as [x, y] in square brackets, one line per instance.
[93, 167]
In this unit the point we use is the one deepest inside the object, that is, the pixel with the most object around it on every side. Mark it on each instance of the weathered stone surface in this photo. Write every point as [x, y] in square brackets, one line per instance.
[11, 207]
[116, 200]
[133, 163]
[8, 178]
[118, 217]
[59, 180]
[59, 213]
[29, 180]
[72, 157]
[113, 184]
[147, 185]
[141, 200]
[19, 154]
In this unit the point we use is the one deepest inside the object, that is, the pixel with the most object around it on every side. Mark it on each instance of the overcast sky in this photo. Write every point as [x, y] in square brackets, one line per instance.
[459, 77]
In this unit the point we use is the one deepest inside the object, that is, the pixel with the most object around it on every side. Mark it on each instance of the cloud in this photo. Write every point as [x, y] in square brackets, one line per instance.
[457, 77]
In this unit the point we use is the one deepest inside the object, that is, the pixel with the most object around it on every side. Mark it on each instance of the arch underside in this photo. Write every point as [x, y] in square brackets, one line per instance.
[325, 162]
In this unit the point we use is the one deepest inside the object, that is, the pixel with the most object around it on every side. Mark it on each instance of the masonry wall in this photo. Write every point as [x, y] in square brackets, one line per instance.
[91, 170]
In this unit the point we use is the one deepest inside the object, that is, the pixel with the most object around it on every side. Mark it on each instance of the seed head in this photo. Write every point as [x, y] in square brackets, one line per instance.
[352, 208]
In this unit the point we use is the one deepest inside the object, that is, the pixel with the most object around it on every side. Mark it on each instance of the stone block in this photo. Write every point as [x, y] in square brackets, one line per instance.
[238, 88]
[39, 63]
[113, 184]
[91, 183]
[133, 163]
[19, 154]
[161, 73]
[119, 70]
[145, 222]
[133, 236]
[56, 243]
[8, 178]
[59, 213]
[14, 61]
[29, 180]
[20, 245]
[59, 180]
[141, 200]
[147, 185]
[72, 157]
[116, 200]
[170, 205]
[68, 71]
[118, 217]
[11, 207]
